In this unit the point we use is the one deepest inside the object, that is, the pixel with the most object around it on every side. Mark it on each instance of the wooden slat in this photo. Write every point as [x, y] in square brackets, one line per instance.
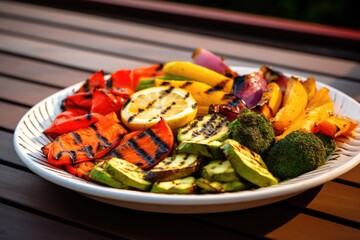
[64, 55]
[334, 199]
[43, 196]
[13, 115]
[42, 72]
[110, 45]
[352, 176]
[303, 228]
[7, 149]
[278, 223]
[19, 224]
[293, 59]
[24, 92]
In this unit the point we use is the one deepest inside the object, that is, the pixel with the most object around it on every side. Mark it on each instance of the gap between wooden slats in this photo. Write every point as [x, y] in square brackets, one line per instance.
[297, 60]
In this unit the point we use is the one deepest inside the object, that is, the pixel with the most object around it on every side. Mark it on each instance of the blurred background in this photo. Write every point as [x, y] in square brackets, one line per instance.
[340, 13]
[324, 27]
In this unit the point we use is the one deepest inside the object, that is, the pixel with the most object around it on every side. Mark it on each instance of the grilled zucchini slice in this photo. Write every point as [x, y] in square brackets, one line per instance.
[207, 128]
[128, 173]
[99, 174]
[204, 135]
[219, 171]
[204, 148]
[248, 164]
[219, 187]
[178, 186]
[174, 167]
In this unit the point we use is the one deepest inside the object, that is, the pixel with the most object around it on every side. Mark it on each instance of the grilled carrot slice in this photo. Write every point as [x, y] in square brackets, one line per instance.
[81, 170]
[335, 126]
[130, 135]
[86, 144]
[146, 148]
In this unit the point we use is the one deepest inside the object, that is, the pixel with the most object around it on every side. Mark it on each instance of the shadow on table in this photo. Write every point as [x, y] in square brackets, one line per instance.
[265, 219]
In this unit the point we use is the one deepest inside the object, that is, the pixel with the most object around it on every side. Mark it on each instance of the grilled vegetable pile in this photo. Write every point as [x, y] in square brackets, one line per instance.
[194, 127]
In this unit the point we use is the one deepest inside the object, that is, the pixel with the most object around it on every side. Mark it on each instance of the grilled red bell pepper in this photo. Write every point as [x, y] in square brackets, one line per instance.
[71, 120]
[146, 72]
[82, 100]
[95, 81]
[121, 83]
[105, 102]
[85, 144]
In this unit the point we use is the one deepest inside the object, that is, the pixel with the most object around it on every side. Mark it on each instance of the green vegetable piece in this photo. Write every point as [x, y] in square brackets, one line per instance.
[236, 186]
[218, 170]
[253, 130]
[219, 187]
[329, 143]
[297, 153]
[149, 82]
[205, 148]
[128, 173]
[208, 186]
[178, 186]
[205, 129]
[174, 167]
[248, 164]
[99, 174]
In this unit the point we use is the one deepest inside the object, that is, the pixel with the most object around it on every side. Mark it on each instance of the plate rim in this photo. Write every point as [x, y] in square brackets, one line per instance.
[94, 189]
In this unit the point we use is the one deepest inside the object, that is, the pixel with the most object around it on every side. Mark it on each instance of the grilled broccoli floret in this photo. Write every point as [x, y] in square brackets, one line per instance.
[329, 143]
[253, 130]
[297, 153]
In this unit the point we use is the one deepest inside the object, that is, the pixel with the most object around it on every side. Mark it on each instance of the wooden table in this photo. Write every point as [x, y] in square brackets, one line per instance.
[44, 49]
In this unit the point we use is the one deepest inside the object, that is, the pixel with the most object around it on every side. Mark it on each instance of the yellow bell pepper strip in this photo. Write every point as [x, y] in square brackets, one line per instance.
[200, 74]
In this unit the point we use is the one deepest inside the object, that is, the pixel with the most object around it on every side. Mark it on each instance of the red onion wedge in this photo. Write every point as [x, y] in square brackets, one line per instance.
[209, 60]
[250, 88]
[230, 112]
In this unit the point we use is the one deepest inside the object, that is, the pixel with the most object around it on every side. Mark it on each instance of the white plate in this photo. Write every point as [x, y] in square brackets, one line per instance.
[28, 140]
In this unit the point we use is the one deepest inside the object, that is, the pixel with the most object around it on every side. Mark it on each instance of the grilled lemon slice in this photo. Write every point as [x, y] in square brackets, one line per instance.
[145, 108]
